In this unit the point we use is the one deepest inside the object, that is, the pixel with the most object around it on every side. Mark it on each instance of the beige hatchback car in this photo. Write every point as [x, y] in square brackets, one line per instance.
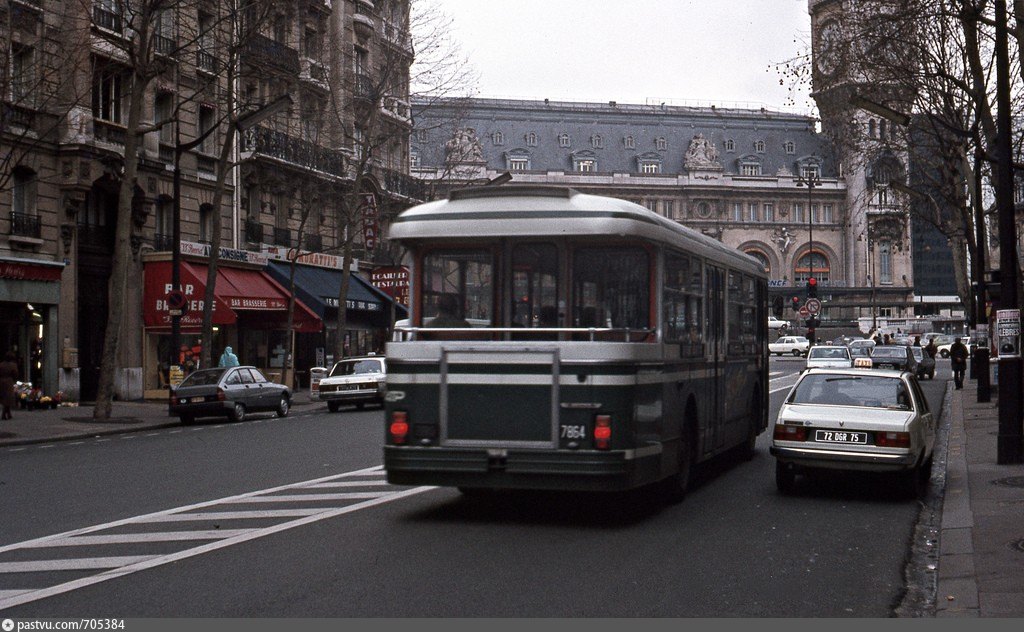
[871, 420]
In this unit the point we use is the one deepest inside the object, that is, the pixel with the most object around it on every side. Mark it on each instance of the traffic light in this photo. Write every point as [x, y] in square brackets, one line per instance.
[812, 288]
[796, 303]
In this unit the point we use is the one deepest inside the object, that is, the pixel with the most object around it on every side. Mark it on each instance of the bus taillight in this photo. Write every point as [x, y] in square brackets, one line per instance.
[602, 432]
[399, 428]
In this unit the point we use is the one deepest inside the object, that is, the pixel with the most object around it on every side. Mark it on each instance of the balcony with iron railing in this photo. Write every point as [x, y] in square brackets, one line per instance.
[363, 88]
[26, 225]
[17, 114]
[260, 49]
[282, 236]
[397, 183]
[314, 72]
[107, 20]
[295, 151]
[206, 61]
[164, 45]
[163, 242]
[108, 132]
[397, 36]
[362, 19]
[253, 231]
[397, 109]
[313, 242]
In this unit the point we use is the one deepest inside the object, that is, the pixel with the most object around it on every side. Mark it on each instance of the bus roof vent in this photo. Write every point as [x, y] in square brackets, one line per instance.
[512, 190]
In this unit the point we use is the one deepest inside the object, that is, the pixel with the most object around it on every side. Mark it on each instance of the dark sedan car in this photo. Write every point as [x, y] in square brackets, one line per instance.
[228, 392]
[899, 357]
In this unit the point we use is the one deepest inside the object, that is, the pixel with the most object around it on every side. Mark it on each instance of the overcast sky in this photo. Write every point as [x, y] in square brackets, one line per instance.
[634, 51]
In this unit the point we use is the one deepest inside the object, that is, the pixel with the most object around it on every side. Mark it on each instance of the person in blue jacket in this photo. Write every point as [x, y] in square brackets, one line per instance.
[228, 359]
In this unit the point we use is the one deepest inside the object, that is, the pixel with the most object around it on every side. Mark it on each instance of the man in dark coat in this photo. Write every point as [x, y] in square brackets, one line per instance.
[958, 358]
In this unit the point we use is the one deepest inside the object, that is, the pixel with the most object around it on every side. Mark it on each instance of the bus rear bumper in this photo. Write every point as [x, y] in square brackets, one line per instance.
[519, 469]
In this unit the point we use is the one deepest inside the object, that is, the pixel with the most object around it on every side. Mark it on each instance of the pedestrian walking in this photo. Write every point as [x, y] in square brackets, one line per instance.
[8, 376]
[931, 349]
[228, 359]
[958, 358]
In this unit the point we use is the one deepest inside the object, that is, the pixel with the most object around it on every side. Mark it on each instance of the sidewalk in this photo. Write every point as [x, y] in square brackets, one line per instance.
[981, 542]
[980, 562]
[75, 422]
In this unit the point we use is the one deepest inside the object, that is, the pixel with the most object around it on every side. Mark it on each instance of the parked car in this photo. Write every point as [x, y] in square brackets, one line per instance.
[867, 343]
[946, 344]
[228, 392]
[860, 351]
[356, 380]
[775, 323]
[794, 345]
[925, 363]
[854, 420]
[829, 356]
[898, 357]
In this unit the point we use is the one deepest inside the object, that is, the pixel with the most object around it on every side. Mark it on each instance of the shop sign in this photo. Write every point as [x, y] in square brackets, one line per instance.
[317, 259]
[1008, 333]
[175, 375]
[371, 226]
[776, 283]
[29, 272]
[367, 306]
[393, 281]
[226, 254]
[236, 302]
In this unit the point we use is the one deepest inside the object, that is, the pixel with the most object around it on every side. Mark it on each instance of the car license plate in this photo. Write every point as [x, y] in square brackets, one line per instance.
[196, 400]
[840, 436]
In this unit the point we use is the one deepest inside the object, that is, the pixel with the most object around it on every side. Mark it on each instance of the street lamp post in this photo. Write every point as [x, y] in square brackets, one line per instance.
[242, 123]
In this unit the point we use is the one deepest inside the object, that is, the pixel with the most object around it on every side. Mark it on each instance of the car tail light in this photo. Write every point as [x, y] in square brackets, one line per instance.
[892, 439]
[174, 400]
[399, 428]
[602, 432]
[220, 395]
[789, 433]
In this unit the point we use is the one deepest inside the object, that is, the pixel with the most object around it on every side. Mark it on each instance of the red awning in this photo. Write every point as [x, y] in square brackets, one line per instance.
[240, 293]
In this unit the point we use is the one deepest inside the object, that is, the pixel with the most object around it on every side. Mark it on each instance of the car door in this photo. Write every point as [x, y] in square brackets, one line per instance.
[927, 418]
[251, 394]
[232, 385]
[267, 389]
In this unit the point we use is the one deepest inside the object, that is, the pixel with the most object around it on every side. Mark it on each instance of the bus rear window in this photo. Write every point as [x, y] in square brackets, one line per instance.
[610, 288]
[458, 288]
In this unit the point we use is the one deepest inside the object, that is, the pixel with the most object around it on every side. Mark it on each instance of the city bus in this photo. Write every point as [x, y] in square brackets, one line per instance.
[595, 346]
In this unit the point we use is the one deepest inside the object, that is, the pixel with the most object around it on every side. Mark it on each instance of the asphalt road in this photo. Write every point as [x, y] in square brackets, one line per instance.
[362, 548]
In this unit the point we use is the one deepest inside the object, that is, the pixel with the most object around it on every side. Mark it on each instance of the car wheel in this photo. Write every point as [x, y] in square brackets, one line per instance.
[238, 412]
[283, 406]
[785, 478]
[797, 353]
[944, 353]
[332, 406]
[187, 419]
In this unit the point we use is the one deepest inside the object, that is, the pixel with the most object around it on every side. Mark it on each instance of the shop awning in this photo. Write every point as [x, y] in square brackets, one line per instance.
[239, 293]
[319, 288]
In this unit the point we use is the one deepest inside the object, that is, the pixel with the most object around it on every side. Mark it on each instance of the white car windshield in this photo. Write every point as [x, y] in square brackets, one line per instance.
[356, 367]
[852, 390]
[829, 354]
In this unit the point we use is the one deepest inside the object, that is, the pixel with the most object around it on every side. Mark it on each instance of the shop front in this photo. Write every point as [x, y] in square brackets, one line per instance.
[250, 314]
[29, 295]
[370, 314]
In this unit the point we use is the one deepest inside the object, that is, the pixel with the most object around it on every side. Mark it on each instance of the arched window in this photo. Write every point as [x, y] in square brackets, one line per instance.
[597, 141]
[498, 138]
[803, 268]
[871, 128]
[763, 258]
[629, 143]
[882, 129]
[563, 140]
[661, 144]
[531, 139]
[759, 146]
[730, 144]
[790, 147]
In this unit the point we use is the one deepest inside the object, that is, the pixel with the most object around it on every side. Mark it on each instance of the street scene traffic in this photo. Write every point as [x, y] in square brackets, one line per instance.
[423, 308]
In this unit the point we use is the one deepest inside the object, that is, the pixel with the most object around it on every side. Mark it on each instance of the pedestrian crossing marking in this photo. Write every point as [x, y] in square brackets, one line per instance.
[112, 567]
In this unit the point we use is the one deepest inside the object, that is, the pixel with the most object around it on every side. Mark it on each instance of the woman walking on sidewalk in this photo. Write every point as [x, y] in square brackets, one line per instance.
[8, 376]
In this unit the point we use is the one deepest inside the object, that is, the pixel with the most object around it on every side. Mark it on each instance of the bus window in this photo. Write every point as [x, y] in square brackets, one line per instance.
[463, 282]
[535, 286]
[682, 303]
[611, 288]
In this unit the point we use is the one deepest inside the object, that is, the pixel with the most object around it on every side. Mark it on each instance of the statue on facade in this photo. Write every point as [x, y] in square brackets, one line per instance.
[701, 154]
[783, 238]
[464, 146]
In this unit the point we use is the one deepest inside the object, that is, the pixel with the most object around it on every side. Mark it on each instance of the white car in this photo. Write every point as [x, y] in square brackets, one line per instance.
[775, 323]
[944, 348]
[794, 345]
[356, 380]
[854, 420]
[829, 356]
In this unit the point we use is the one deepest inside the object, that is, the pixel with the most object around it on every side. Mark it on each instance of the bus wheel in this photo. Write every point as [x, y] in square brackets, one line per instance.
[678, 484]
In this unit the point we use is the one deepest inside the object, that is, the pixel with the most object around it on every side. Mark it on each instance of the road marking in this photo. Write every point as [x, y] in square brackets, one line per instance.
[129, 538]
[120, 566]
[335, 484]
[79, 564]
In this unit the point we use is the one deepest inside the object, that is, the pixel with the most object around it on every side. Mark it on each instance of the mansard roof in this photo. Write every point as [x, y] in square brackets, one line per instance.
[779, 140]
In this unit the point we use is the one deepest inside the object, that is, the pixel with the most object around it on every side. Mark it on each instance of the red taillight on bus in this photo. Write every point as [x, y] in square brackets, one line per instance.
[602, 432]
[892, 439]
[399, 428]
[789, 433]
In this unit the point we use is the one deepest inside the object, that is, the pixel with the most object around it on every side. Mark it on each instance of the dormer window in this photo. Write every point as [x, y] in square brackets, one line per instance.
[596, 141]
[790, 147]
[629, 143]
[584, 161]
[517, 160]
[729, 144]
[749, 165]
[759, 146]
[531, 139]
[498, 138]
[563, 140]
[661, 143]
